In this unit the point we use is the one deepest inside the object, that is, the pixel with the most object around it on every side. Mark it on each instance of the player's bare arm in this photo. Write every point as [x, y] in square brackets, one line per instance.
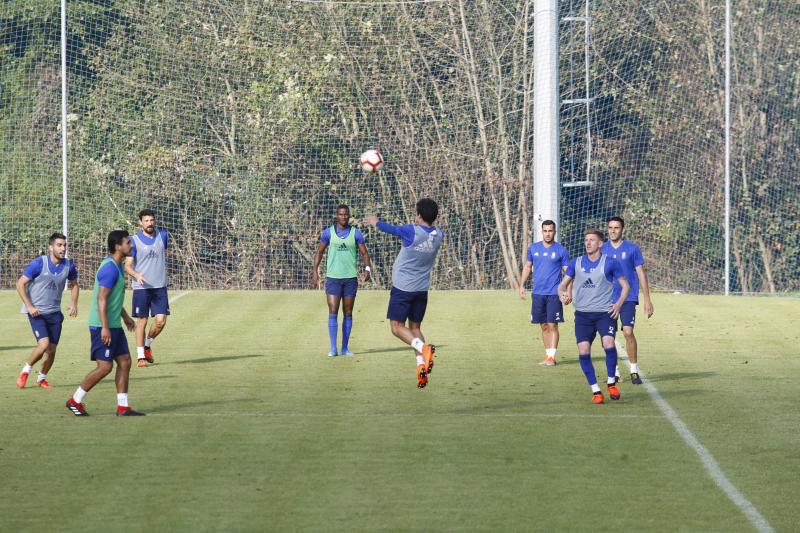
[526, 271]
[102, 312]
[126, 318]
[74, 291]
[362, 249]
[645, 286]
[138, 276]
[315, 265]
[22, 284]
[616, 306]
[565, 290]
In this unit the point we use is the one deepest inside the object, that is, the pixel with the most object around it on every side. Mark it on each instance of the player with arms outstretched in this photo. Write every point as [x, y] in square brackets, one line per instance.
[548, 259]
[343, 243]
[630, 257]
[40, 287]
[592, 276]
[411, 279]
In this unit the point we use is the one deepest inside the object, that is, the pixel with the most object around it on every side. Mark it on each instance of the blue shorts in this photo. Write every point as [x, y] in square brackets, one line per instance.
[102, 352]
[152, 301]
[627, 315]
[546, 309]
[48, 325]
[343, 288]
[588, 324]
[407, 305]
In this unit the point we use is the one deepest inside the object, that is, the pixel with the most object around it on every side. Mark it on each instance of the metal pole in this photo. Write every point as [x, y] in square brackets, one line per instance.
[727, 147]
[586, 26]
[546, 107]
[64, 222]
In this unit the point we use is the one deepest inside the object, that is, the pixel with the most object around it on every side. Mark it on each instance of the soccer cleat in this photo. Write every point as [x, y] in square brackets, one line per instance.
[422, 376]
[44, 384]
[346, 353]
[141, 363]
[613, 391]
[635, 379]
[77, 409]
[597, 398]
[332, 353]
[22, 380]
[127, 411]
[148, 355]
[548, 361]
[427, 353]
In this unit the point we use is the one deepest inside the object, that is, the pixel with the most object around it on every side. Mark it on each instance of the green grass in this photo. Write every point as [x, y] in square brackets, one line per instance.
[251, 427]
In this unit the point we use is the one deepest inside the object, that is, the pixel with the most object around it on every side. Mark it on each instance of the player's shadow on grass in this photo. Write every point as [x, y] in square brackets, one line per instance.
[133, 377]
[6, 348]
[390, 350]
[189, 405]
[675, 376]
[216, 359]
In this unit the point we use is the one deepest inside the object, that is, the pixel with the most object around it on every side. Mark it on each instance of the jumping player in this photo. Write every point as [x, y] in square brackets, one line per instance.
[147, 265]
[548, 259]
[630, 257]
[593, 276]
[109, 344]
[40, 287]
[341, 280]
[411, 279]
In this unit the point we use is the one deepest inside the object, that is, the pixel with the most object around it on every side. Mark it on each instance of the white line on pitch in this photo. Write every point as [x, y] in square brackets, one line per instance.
[178, 296]
[709, 463]
[353, 415]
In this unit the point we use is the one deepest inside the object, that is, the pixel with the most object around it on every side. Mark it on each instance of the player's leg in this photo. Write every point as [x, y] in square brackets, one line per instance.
[333, 295]
[36, 354]
[119, 349]
[584, 336]
[75, 403]
[627, 317]
[348, 302]
[54, 323]
[555, 315]
[410, 306]
[159, 309]
[607, 327]
[140, 311]
[539, 316]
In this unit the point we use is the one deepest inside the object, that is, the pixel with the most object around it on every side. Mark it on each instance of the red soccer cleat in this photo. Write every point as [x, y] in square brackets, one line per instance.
[77, 409]
[148, 354]
[613, 391]
[22, 380]
[597, 398]
[127, 411]
[44, 384]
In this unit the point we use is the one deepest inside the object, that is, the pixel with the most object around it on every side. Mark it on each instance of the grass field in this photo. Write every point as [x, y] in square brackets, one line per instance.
[251, 427]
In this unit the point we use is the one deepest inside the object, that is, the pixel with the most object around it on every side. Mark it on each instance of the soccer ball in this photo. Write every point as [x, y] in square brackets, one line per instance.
[371, 161]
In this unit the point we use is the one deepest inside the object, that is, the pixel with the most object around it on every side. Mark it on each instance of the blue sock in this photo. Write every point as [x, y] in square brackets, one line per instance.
[347, 327]
[333, 330]
[611, 361]
[588, 368]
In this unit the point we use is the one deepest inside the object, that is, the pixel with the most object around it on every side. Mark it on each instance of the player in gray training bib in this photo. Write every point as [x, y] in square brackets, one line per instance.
[40, 287]
[411, 278]
[147, 266]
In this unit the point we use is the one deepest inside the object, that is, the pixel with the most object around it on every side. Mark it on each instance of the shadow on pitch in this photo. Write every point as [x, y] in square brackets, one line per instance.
[6, 348]
[189, 405]
[390, 350]
[215, 359]
[133, 377]
[676, 376]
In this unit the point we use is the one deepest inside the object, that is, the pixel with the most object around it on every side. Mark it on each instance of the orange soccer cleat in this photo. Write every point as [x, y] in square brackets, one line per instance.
[548, 361]
[43, 384]
[141, 363]
[148, 354]
[22, 380]
[422, 376]
[613, 391]
[597, 398]
[427, 353]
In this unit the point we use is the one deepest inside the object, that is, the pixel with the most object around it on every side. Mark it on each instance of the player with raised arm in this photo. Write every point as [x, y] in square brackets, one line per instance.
[548, 259]
[343, 243]
[147, 265]
[109, 344]
[411, 279]
[630, 257]
[40, 287]
[592, 277]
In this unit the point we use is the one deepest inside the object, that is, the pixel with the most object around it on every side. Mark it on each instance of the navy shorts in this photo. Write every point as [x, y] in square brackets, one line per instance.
[588, 324]
[102, 352]
[546, 309]
[407, 305]
[48, 325]
[343, 288]
[627, 315]
[150, 301]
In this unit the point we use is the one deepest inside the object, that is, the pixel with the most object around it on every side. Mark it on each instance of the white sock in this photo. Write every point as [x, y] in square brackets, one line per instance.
[611, 380]
[616, 372]
[417, 344]
[27, 368]
[420, 360]
[634, 368]
[122, 399]
[550, 352]
[41, 377]
[79, 395]
[148, 341]
[595, 388]
[140, 352]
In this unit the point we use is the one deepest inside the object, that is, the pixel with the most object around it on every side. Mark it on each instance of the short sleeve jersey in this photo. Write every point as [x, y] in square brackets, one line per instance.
[629, 256]
[547, 263]
[34, 268]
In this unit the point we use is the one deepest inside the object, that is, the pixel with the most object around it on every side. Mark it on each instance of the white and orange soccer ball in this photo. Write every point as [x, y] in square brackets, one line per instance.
[371, 161]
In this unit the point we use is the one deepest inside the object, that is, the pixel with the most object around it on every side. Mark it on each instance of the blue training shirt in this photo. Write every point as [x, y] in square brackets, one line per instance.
[405, 232]
[34, 268]
[547, 262]
[613, 270]
[629, 256]
[325, 238]
[150, 240]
